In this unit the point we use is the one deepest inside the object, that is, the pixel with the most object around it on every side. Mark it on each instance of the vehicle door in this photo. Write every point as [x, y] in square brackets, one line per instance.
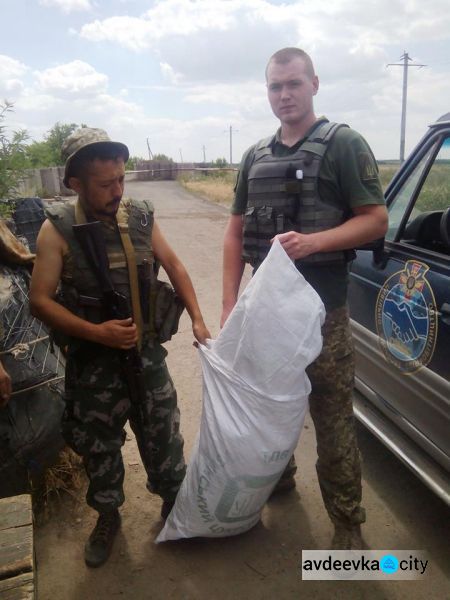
[400, 307]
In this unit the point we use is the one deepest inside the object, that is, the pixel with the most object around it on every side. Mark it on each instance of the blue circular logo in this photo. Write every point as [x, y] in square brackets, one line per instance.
[406, 318]
[389, 564]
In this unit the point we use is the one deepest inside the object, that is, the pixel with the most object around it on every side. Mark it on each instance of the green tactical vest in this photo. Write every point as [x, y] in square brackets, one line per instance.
[283, 196]
[78, 279]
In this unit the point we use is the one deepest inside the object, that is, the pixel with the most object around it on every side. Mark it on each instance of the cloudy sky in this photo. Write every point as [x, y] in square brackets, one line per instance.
[181, 72]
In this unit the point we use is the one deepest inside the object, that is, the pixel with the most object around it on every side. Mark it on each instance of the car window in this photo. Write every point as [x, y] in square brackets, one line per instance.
[423, 225]
[435, 192]
[401, 201]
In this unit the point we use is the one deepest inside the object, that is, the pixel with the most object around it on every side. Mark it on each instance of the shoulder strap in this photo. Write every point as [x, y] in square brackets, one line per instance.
[263, 148]
[317, 142]
[122, 223]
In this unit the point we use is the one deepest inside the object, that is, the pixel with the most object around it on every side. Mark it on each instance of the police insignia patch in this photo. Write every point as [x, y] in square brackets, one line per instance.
[367, 167]
[406, 318]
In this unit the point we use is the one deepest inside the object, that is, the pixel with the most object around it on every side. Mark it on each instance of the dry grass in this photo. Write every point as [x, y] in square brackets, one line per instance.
[66, 476]
[216, 188]
[219, 187]
[387, 172]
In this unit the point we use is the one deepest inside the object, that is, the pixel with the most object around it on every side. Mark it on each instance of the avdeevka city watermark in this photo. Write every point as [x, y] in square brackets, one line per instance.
[364, 564]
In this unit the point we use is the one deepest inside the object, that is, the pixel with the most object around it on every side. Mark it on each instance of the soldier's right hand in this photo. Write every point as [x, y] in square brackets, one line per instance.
[118, 333]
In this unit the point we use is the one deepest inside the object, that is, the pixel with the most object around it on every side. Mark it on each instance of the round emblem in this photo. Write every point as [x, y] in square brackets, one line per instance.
[406, 318]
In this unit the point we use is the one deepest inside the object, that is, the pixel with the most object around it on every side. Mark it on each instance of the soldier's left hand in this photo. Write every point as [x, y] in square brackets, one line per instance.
[200, 331]
[297, 245]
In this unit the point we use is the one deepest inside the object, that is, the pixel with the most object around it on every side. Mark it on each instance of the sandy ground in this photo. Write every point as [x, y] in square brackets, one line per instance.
[265, 562]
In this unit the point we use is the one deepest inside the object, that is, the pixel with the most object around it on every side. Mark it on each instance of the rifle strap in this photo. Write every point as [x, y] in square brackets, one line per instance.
[80, 215]
[80, 218]
[132, 273]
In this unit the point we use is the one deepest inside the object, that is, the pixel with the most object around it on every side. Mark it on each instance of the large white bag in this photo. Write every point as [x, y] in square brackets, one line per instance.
[255, 396]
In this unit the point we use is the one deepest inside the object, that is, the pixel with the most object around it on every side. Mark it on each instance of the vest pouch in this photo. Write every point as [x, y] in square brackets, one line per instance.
[259, 228]
[266, 220]
[166, 307]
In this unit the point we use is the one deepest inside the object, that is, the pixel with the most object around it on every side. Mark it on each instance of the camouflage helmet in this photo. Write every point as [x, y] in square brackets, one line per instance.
[83, 137]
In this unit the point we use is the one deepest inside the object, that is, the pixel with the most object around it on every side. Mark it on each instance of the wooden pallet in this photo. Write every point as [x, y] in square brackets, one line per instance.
[16, 549]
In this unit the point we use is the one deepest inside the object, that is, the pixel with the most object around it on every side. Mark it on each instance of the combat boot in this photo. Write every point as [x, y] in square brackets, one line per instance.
[285, 484]
[99, 545]
[347, 537]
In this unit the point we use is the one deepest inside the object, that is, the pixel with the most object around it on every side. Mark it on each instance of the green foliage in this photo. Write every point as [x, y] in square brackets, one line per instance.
[219, 163]
[40, 155]
[132, 162]
[162, 158]
[12, 161]
[48, 152]
[435, 194]
[387, 172]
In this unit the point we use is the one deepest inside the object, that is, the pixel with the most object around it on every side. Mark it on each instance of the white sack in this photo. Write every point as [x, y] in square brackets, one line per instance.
[255, 397]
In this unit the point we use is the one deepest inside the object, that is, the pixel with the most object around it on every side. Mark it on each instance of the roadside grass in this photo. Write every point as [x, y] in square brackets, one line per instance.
[215, 186]
[218, 186]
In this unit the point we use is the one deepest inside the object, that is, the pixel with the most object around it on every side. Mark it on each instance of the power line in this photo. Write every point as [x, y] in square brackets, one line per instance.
[231, 142]
[405, 66]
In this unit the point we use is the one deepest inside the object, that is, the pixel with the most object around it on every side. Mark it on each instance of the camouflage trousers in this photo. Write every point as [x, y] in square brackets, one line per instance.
[97, 409]
[339, 462]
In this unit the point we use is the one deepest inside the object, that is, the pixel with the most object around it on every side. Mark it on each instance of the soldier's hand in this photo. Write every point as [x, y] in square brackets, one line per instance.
[118, 333]
[5, 387]
[200, 331]
[297, 245]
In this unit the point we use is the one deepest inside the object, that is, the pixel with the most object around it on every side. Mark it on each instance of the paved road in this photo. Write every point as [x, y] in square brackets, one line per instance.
[263, 563]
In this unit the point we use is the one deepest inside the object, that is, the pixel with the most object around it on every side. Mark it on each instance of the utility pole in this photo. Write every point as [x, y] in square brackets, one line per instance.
[150, 155]
[181, 155]
[204, 155]
[231, 143]
[405, 66]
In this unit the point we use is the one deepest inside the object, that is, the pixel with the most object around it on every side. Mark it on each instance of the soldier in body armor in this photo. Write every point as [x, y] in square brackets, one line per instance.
[99, 399]
[314, 185]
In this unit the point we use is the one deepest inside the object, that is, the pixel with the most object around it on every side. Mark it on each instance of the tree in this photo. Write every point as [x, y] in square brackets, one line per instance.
[133, 161]
[56, 137]
[162, 158]
[48, 152]
[219, 163]
[12, 160]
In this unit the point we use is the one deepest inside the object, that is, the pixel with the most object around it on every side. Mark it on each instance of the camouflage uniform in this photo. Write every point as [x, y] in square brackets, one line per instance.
[97, 396]
[98, 407]
[339, 462]
[332, 378]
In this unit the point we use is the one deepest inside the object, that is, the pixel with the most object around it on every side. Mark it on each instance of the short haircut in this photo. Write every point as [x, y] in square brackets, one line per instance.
[87, 155]
[285, 55]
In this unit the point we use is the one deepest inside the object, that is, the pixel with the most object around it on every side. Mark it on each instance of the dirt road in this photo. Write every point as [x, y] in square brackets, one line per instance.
[265, 562]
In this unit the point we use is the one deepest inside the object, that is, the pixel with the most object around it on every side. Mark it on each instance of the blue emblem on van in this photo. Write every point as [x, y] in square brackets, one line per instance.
[406, 318]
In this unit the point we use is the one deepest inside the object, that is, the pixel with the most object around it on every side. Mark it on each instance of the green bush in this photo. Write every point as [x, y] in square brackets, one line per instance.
[12, 161]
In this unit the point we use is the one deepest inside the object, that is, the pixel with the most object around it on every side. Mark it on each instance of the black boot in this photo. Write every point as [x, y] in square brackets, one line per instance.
[98, 547]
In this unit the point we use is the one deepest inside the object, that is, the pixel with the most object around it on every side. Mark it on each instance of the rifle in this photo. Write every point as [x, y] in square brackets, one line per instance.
[116, 306]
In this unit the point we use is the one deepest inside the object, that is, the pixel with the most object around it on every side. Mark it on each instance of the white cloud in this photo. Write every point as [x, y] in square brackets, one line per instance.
[211, 56]
[67, 6]
[72, 80]
[203, 39]
[11, 71]
[213, 40]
